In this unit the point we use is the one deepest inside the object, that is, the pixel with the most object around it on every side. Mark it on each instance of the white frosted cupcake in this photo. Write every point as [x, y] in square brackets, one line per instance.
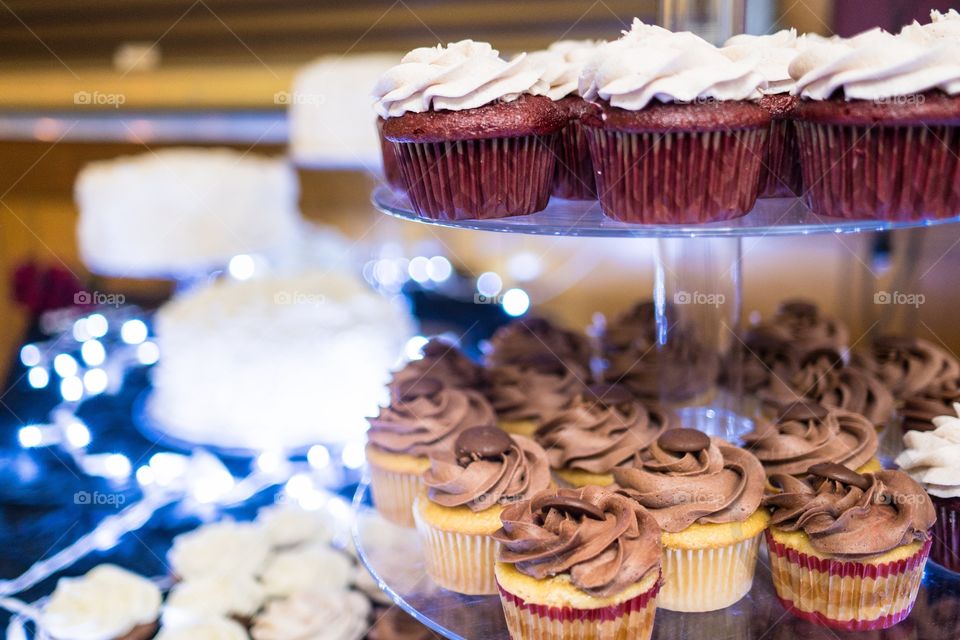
[208, 629]
[288, 526]
[932, 458]
[213, 596]
[108, 603]
[331, 615]
[222, 548]
[312, 567]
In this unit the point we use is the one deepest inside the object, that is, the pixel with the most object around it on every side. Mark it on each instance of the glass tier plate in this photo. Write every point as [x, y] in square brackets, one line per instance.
[771, 216]
[758, 616]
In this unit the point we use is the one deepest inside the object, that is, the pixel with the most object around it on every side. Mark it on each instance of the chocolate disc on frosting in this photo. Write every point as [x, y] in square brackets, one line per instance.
[683, 441]
[839, 473]
[567, 504]
[482, 442]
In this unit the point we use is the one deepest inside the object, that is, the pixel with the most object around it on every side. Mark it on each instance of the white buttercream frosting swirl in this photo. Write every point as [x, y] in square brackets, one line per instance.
[561, 64]
[208, 629]
[287, 525]
[650, 63]
[222, 548]
[943, 28]
[106, 603]
[932, 458]
[775, 51]
[335, 615]
[308, 568]
[212, 596]
[876, 65]
[462, 75]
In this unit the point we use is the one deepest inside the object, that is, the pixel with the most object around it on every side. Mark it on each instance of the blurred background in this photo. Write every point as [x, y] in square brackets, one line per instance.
[83, 80]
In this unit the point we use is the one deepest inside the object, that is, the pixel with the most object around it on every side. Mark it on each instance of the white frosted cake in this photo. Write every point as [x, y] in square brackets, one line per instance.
[278, 363]
[332, 122]
[176, 212]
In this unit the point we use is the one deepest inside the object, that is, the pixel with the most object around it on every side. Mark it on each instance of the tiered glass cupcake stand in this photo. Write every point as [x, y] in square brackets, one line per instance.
[691, 261]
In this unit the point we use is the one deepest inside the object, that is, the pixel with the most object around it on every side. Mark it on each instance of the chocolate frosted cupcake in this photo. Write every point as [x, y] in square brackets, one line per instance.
[822, 377]
[680, 371]
[763, 354]
[907, 365]
[562, 62]
[604, 427]
[932, 458]
[803, 324]
[442, 360]
[919, 409]
[468, 485]
[705, 494]
[780, 174]
[471, 139]
[878, 126]
[425, 415]
[526, 338]
[525, 395]
[847, 550]
[806, 433]
[578, 563]
[675, 138]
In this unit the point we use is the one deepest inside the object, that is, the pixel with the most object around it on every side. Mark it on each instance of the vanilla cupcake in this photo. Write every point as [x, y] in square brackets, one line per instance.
[222, 548]
[425, 415]
[604, 428]
[932, 458]
[108, 603]
[806, 433]
[468, 486]
[578, 563]
[440, 359]
[907, 365]
[236, 596]
[527, 339]
[525, 394]
[847, 550]
[705, 494]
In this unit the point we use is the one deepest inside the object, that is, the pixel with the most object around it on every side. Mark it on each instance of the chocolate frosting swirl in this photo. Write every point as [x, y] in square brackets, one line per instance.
[487, 467]
[604, 541]
[805, 434]
[920, 409]
[908, 365]
[534, 391]
[603, 428]
[444, 361]
[801, 323]
[822, 377]
[531, 338]
[686, 477]
[425, 415]
[849, 514]
[764, 355]
[677, 370]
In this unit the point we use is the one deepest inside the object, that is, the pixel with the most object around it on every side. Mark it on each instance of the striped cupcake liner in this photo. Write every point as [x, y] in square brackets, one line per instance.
[946, 534]
[394, 493]
[845, 594]
[888, 173]
[780, 173]
[478, 179]
[391, 167]
[628, 620]
[681, 177]
[574, 178]
[708, 579]
[459, 562]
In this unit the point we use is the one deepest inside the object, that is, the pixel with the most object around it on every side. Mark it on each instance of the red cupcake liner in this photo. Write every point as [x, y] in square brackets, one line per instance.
[391, 166]
[677, 177]
[817, 589]
[780, 173]
[570, 614]
[946, 533]
[574, 178]
[478, 179]
[886, 173]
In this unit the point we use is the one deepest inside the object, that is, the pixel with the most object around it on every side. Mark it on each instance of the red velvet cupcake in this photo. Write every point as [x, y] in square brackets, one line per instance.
[470, 138]
[562, 62]
[675, 138]
[780, 174]
[391, 167]
[879, 126]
